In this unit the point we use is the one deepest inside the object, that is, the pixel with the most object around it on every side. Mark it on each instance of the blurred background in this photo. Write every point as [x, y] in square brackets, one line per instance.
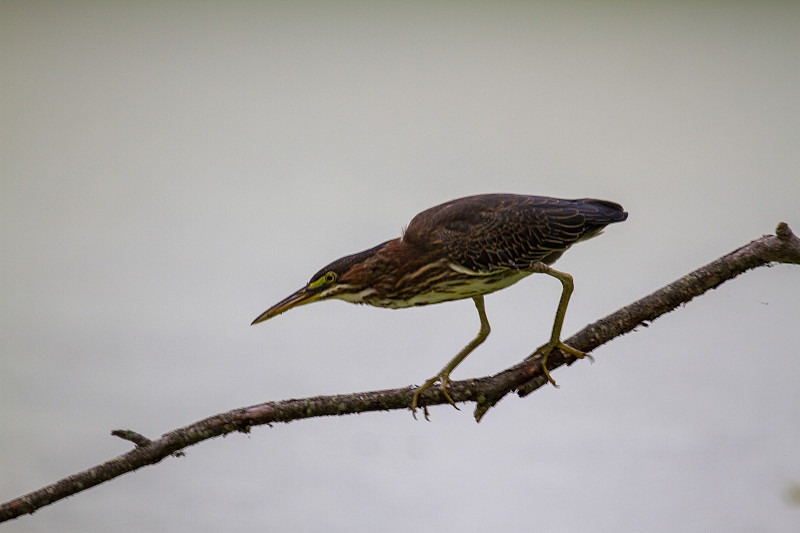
[170, 170]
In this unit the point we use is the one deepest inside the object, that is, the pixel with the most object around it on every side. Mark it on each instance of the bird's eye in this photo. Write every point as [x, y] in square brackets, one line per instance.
[330, 277]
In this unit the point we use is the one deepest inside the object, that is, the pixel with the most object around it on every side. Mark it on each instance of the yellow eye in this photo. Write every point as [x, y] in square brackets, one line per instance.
[328, 278]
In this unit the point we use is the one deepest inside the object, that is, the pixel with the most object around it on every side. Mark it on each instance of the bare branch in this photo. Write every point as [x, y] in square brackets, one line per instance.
[525, 377]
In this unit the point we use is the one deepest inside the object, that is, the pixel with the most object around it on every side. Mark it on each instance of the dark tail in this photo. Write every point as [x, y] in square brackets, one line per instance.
[601, 212]
[598, 214]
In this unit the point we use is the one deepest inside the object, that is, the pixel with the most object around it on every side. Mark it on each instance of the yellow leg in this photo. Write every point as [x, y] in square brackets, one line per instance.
[444, 374]
[555, 337]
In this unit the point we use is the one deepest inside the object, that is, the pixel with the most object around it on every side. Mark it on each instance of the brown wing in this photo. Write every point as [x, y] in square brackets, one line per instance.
[500, 231]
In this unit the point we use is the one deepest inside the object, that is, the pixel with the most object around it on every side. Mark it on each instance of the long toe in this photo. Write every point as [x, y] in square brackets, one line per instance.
[415, 400]
[549, 347]
[570, 350]
[445, 379]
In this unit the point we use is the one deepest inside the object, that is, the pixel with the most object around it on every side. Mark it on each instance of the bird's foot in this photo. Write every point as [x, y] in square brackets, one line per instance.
[444, 379]
[545, 349]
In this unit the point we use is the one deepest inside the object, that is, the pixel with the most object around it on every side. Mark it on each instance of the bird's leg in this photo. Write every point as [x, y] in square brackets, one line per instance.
[444, 374]
[555, 337]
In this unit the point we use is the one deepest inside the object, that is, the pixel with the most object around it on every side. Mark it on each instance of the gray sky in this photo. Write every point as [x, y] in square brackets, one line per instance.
[170, 171]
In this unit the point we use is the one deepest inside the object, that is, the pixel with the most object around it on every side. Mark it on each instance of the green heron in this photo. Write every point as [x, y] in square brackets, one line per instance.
[464, 248]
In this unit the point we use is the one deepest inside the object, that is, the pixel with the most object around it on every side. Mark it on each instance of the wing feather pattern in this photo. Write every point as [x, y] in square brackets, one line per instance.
[491, 232]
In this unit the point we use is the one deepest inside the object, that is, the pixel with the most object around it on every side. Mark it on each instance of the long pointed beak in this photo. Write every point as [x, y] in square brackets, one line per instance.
[303, 296]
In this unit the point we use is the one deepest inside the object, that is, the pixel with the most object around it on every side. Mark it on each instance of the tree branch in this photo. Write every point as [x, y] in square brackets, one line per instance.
[525, 377]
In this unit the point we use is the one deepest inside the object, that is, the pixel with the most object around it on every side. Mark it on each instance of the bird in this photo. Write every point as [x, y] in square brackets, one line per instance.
[464, 248]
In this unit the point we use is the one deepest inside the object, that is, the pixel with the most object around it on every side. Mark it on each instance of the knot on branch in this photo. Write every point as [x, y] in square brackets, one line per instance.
[783, 231]
[137, 438]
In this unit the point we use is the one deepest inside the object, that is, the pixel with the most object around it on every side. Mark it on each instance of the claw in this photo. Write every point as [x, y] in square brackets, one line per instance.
[444, 378]
[545, 349]
[415, 400]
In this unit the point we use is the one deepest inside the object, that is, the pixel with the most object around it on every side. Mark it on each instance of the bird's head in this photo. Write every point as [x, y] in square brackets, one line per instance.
[347, 278]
